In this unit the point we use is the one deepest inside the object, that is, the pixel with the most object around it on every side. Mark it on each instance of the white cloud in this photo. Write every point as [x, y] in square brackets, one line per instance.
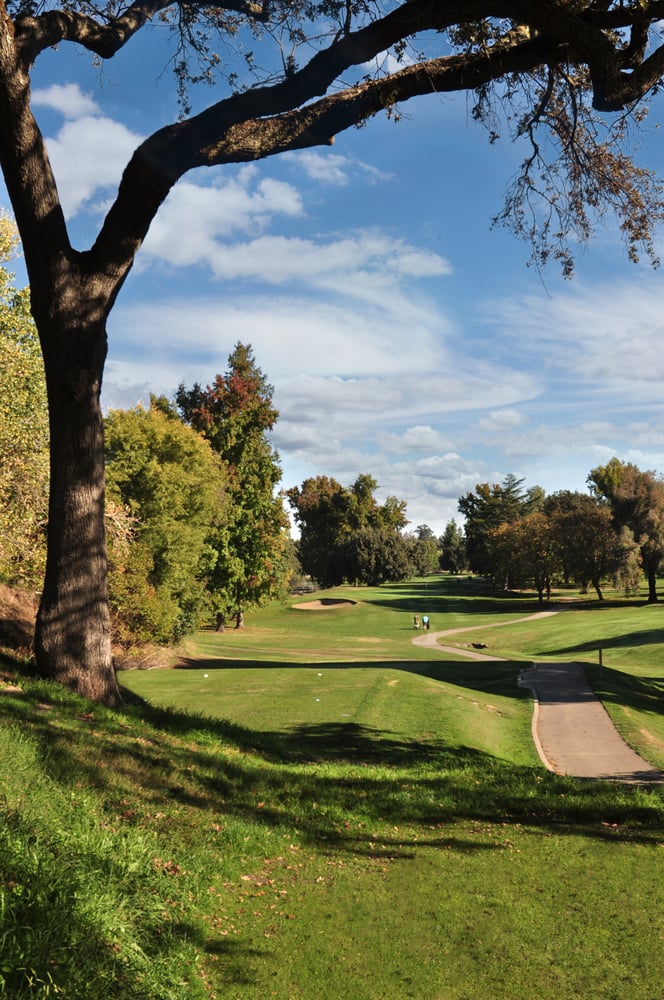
[610, 336]
[387, 62]
[194, 219]
[364, 263]
[420, 438]
[88, 157]
[67, 98]
[330, 168]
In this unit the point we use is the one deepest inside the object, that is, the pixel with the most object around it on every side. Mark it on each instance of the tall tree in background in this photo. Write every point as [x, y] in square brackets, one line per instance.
[320, 507]
[636, 499]
[487, 509]
[23, 430]
[424, 553]
[346, 535]
[452, 544]
[235, 414]
[372, 555]
[590, 547]
[576, 76]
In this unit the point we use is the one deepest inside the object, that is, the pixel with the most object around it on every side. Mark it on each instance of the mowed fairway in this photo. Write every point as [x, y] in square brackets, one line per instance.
[419, 848]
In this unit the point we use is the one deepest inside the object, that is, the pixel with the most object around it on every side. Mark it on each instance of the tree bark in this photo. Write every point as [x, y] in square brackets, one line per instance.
[72, 637]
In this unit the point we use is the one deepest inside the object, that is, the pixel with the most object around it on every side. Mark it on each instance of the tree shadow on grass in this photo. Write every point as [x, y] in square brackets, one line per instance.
[273, 778]
[477, 596]
[639, 693]
[451, 595]
[488, 676]
[626, 640]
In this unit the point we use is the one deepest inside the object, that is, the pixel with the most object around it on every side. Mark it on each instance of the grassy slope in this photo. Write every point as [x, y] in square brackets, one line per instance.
[394, 838]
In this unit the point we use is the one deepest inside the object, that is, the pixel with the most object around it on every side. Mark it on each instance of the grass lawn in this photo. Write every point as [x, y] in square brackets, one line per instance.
[314, 808]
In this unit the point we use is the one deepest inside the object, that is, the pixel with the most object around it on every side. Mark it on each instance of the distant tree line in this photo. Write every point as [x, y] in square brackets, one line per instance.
[615, 532]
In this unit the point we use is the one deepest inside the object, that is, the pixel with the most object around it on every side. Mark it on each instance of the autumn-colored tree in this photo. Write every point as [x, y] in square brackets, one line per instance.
[235, 414]
[526, 551]
[571, 77]
[590, 547]
[487, 509]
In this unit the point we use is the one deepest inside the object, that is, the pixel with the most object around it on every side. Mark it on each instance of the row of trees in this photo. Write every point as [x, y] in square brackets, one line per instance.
[346, 535]
[194, 519]
[616, 531]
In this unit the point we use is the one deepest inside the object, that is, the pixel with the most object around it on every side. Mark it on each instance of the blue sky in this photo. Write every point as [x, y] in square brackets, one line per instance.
[404, 336]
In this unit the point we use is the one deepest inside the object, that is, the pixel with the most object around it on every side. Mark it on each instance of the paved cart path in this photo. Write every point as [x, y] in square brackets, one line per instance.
[571, 728]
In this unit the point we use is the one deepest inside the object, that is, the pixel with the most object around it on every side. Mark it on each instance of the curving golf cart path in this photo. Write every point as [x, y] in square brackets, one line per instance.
[572, 730]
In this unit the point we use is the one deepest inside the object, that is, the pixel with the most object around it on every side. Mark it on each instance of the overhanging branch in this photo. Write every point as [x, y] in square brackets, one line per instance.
[106, 37]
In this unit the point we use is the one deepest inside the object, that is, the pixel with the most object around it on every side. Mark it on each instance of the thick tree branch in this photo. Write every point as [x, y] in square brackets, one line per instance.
[270, 119]
[261, 123]
[25, 163]
[105, 38]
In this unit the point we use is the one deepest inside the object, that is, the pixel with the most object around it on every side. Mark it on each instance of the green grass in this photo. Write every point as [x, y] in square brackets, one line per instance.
[626, 637]
[332, 813]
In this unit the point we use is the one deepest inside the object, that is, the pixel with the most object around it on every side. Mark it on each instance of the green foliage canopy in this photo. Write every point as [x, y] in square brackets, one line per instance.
[636, 500]
[345, 534]
[173, 486]
[453, 548]
[24, 462]
[490, 507]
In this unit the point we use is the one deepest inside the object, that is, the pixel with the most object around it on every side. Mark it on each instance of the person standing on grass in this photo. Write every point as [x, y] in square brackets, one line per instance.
[425, 622]
[416, 621]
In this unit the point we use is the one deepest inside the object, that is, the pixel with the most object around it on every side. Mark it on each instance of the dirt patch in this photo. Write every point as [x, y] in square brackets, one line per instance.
[325, 604]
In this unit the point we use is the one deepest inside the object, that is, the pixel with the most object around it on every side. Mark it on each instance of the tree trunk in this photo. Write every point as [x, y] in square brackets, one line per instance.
[651, 574]
[73, 638]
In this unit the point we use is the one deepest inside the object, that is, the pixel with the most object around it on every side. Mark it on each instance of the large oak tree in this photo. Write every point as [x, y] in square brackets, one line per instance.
[558, 66]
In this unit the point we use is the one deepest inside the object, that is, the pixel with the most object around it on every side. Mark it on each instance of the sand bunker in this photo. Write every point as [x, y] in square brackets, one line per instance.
[325, 604]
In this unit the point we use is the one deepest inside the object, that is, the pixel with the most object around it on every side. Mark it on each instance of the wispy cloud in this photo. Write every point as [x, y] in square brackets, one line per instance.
[334, 168]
